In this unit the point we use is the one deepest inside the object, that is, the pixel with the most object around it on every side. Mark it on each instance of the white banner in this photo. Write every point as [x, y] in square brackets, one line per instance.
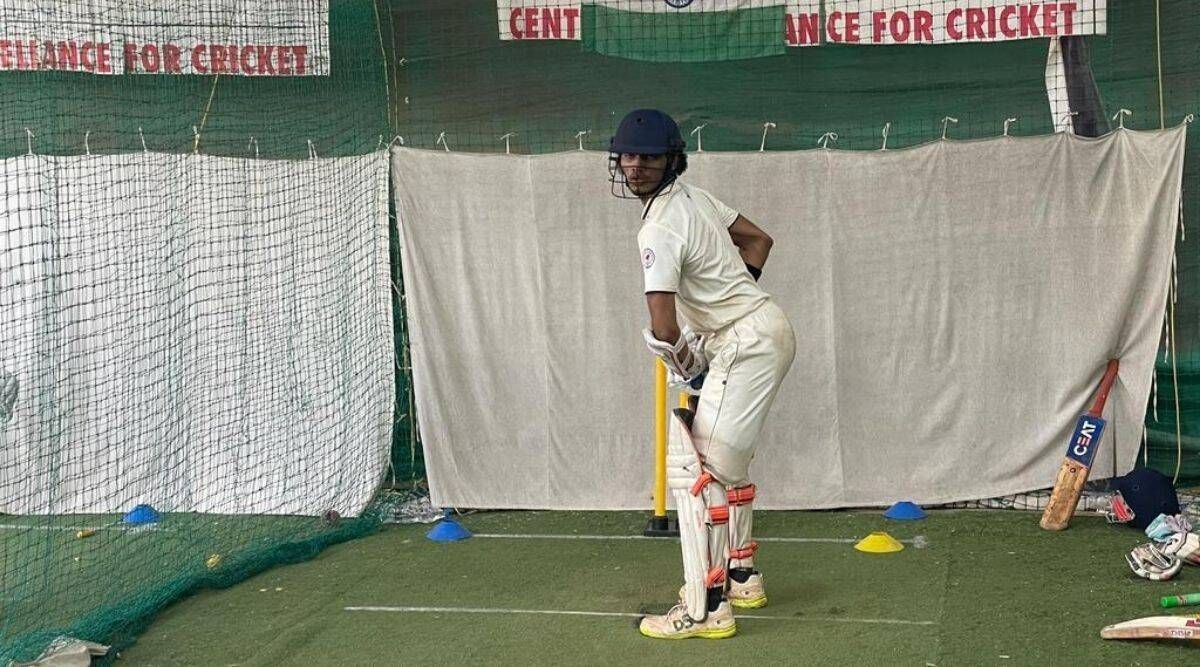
[845, 21]
[538, 19]
[802, 23]
[231, 37]
[957, 21]
[559, 20]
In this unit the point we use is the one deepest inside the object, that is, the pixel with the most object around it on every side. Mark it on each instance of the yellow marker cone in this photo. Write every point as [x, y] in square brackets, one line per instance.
[879, 543]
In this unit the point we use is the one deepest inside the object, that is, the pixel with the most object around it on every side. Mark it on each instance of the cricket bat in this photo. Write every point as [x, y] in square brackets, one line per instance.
[1155, 627]
[1081, 451]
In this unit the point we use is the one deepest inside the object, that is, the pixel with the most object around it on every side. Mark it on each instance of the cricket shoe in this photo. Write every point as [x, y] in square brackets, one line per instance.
[676, 624]
[748, 595]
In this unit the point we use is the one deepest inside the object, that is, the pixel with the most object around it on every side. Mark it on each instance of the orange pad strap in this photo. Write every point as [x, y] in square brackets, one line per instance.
[746, 552]
[742, 495]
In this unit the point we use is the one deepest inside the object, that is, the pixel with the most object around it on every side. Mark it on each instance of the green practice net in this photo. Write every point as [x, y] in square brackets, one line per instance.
[196, 333]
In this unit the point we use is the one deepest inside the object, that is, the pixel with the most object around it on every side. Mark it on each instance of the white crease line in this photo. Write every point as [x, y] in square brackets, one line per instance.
[920, 541]
[625, 614]
[799, 540]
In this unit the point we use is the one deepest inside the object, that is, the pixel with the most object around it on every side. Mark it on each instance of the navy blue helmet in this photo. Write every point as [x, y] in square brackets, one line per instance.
[1148, 493]
[647, 132]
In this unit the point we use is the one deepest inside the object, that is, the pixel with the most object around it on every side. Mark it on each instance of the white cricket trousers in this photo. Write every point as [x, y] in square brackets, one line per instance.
[748, 360]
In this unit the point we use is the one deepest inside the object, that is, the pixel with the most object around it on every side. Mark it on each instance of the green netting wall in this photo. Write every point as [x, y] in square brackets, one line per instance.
[105, 583]
[345, 113]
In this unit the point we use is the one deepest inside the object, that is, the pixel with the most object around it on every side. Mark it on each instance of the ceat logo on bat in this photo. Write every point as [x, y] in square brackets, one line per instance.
[1087, 432]
[1084, 436]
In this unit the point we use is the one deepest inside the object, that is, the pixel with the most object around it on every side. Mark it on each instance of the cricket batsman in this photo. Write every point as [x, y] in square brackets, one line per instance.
[721, 336]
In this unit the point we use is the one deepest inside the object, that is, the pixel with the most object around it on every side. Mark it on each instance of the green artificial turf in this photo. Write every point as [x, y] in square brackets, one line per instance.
[989, 588]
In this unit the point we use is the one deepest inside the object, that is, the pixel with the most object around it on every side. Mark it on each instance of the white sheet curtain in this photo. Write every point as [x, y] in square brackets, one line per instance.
[955, 306]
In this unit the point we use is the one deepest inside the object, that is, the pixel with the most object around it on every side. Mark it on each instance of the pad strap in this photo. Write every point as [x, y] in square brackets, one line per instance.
[702, 481]
[742, 495]
[746, 552]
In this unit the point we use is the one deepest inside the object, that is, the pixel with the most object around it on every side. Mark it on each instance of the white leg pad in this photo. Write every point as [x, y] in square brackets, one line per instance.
[741, 520]
[702, 506]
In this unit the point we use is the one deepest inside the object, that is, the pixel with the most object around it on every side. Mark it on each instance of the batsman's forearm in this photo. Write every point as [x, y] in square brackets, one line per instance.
[670, 334]
[755, 254]
[665, 333]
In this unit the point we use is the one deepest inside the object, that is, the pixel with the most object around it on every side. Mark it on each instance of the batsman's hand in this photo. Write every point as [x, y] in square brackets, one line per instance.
[684, 358]
[690, 387]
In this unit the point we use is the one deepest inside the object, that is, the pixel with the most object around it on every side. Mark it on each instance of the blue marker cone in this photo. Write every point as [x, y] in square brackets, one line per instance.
[904, 511]
[141, 515]
[447, 530]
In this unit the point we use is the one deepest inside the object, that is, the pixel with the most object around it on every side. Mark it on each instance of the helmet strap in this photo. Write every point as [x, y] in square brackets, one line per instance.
[668, 179]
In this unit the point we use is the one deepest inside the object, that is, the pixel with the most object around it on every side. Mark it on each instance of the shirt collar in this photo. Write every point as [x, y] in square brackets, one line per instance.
[662, 197]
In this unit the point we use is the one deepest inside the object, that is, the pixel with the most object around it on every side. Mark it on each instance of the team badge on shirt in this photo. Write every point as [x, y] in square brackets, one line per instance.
[647, 258]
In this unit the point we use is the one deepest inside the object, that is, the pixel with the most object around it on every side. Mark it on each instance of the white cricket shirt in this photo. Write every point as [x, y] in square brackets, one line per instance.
[686, 249]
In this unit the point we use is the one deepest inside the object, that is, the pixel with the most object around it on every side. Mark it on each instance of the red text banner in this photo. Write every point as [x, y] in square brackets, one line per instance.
[956, 21]
[258, 38]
